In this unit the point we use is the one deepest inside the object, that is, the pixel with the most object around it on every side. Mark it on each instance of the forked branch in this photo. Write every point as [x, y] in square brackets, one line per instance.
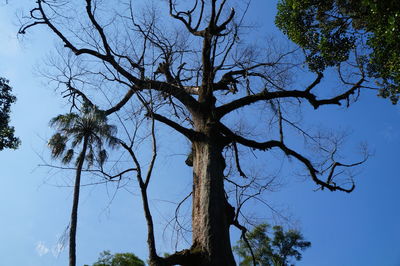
[312, 171]
[297, 94]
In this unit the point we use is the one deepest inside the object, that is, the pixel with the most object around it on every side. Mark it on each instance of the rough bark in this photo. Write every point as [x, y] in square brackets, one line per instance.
[210, 219]
[74, 212]
[212, 215]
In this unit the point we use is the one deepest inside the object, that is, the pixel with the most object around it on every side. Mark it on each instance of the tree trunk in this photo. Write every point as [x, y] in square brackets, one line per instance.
[151, 243]
[74, 212]
[210, 217]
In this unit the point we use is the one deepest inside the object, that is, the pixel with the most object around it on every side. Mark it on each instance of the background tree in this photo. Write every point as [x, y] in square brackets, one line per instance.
[7, 138]
[275, 248]
[204, 80]
[330, 30]
[118, 259]
[90, 131]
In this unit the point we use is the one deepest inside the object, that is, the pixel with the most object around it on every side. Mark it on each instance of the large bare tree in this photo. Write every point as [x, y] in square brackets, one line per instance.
[199, 75]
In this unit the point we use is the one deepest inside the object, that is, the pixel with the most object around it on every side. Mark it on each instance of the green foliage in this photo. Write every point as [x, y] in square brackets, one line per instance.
[7, 138]
[328, 30]
[118, 259]
[277, 248]
[72, 128]
[91, 128]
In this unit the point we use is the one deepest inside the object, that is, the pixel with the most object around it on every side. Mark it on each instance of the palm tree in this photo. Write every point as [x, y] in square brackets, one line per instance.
[89, 131]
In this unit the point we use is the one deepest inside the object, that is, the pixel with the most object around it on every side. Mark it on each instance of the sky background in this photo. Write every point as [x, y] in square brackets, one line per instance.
[361, 228]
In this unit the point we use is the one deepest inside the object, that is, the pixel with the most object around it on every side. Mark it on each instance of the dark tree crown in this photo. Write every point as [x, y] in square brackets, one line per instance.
[7, 138]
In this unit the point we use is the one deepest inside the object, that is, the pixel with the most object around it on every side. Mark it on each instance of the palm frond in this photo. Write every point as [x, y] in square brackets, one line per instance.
[96, 140]
[113, 142]
[73, 128]
[102, 156]
[57, 144]
[68, 156]
[90, 157]
[78, 138]
[63, 121]
[106, 130]
[78, 159]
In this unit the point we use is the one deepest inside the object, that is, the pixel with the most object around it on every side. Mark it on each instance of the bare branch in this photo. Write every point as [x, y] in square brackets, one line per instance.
[189, 133]
[243, 236]
[266, 96]
[187, 24]
[236, 152]
[99, 28]
[121, 103]
[313, 172]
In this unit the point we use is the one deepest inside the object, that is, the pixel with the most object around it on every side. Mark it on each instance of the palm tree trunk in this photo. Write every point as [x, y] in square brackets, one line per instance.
[74, 212]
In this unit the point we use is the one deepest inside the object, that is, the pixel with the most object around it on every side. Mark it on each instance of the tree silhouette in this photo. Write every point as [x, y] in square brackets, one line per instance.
[263, 248]
[118, 259]
[7, 138]
[90, 133]
[204, 79]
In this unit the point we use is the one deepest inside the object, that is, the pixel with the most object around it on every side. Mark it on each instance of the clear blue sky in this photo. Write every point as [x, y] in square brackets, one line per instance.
[354, 229]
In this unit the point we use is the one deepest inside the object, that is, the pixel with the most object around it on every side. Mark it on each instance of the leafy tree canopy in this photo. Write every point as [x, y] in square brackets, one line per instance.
[330, 30]
[118, 259]
[7, 138]
[276, 248]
